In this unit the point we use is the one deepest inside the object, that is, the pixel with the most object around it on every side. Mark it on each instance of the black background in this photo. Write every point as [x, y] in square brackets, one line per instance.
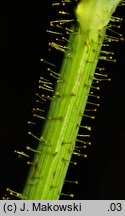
[23, 43]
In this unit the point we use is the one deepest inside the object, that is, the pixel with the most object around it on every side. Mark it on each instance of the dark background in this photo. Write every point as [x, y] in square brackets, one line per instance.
[23, 42]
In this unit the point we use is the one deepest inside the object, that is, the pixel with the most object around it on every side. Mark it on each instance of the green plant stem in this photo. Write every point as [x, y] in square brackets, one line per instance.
[48, 172]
